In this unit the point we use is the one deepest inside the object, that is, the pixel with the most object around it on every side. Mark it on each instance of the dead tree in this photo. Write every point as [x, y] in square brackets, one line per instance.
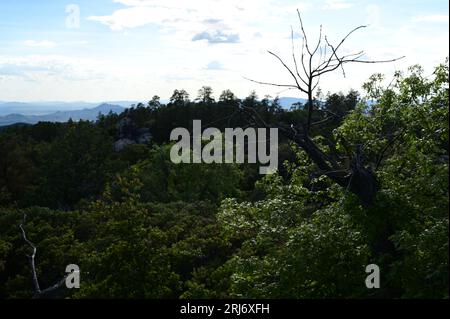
[315, 62]
[38, 293]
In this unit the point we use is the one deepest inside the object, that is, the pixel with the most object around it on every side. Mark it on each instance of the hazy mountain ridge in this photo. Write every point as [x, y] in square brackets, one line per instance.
[45, 108]
[32, 113]
[61, 116]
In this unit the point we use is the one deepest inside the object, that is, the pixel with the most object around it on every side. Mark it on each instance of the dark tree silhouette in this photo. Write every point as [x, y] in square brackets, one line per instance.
[315, 62]
[205, 95]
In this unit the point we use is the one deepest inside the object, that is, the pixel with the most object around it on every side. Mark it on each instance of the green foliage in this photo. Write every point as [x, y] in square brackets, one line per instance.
[160, 180]
[291, 248]
[140, 226]
[54, 234]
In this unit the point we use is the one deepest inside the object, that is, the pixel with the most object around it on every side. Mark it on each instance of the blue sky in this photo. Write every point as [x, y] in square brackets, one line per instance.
[133, 49]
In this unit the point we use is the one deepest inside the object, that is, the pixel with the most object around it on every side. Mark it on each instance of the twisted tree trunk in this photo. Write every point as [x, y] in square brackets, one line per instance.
[38, 293]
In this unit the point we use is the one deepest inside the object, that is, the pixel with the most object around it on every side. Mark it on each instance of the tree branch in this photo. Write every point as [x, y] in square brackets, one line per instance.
[294, 58]
[359, 179]
[31, 258]
[38, 293]
[303, 31]
[272, 84]
[289, 70]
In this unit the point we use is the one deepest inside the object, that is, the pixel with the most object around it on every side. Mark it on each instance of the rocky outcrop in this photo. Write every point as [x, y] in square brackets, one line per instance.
[121, 144]
[130, 134]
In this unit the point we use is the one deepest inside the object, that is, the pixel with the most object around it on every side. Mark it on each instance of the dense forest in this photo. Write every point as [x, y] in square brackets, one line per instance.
[105, 196]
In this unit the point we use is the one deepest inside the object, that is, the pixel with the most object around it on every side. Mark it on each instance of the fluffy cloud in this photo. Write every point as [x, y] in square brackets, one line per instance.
[190, 42]
[216, 21]
[45, 67]
[216, 36]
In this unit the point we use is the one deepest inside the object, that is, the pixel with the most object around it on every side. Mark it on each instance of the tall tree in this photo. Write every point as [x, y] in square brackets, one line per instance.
[155, 102]
[227, 96]
[179, 97]
[205, 95]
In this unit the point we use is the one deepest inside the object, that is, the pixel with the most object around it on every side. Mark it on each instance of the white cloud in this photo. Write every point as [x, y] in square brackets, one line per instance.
[337, 4]
[46, 67]
[217, 36]
[190, 18]
[39, 44]
[440, 18]
[216, 43]
[132, 17]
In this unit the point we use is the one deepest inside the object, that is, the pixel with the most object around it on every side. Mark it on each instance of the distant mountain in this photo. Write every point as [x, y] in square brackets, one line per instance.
[42, 108]
[61, 116]
[13, 119]
[34, 112]
[2, 128]
[124, 104]
[286, 102]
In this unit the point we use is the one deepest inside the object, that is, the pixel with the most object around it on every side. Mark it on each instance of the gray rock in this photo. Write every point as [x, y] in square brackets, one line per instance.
[122, 143]
[144, 138]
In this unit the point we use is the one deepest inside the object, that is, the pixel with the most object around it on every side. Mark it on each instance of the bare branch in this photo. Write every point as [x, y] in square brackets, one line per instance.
[273, 84]
[345, 57]
[319, 42]
[378, 61]
[38, 293]
[294, 58]
[56, 286]
[343, 71]
[319, 69]
[290, 71]
[352, 178]
[349, 34]
[285, 90]
[303, 31]
[31, 258]
[303, 57]
[340, 44]
[317, 83]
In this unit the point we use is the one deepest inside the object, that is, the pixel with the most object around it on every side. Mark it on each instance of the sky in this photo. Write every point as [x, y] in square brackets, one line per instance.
[104, 50]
